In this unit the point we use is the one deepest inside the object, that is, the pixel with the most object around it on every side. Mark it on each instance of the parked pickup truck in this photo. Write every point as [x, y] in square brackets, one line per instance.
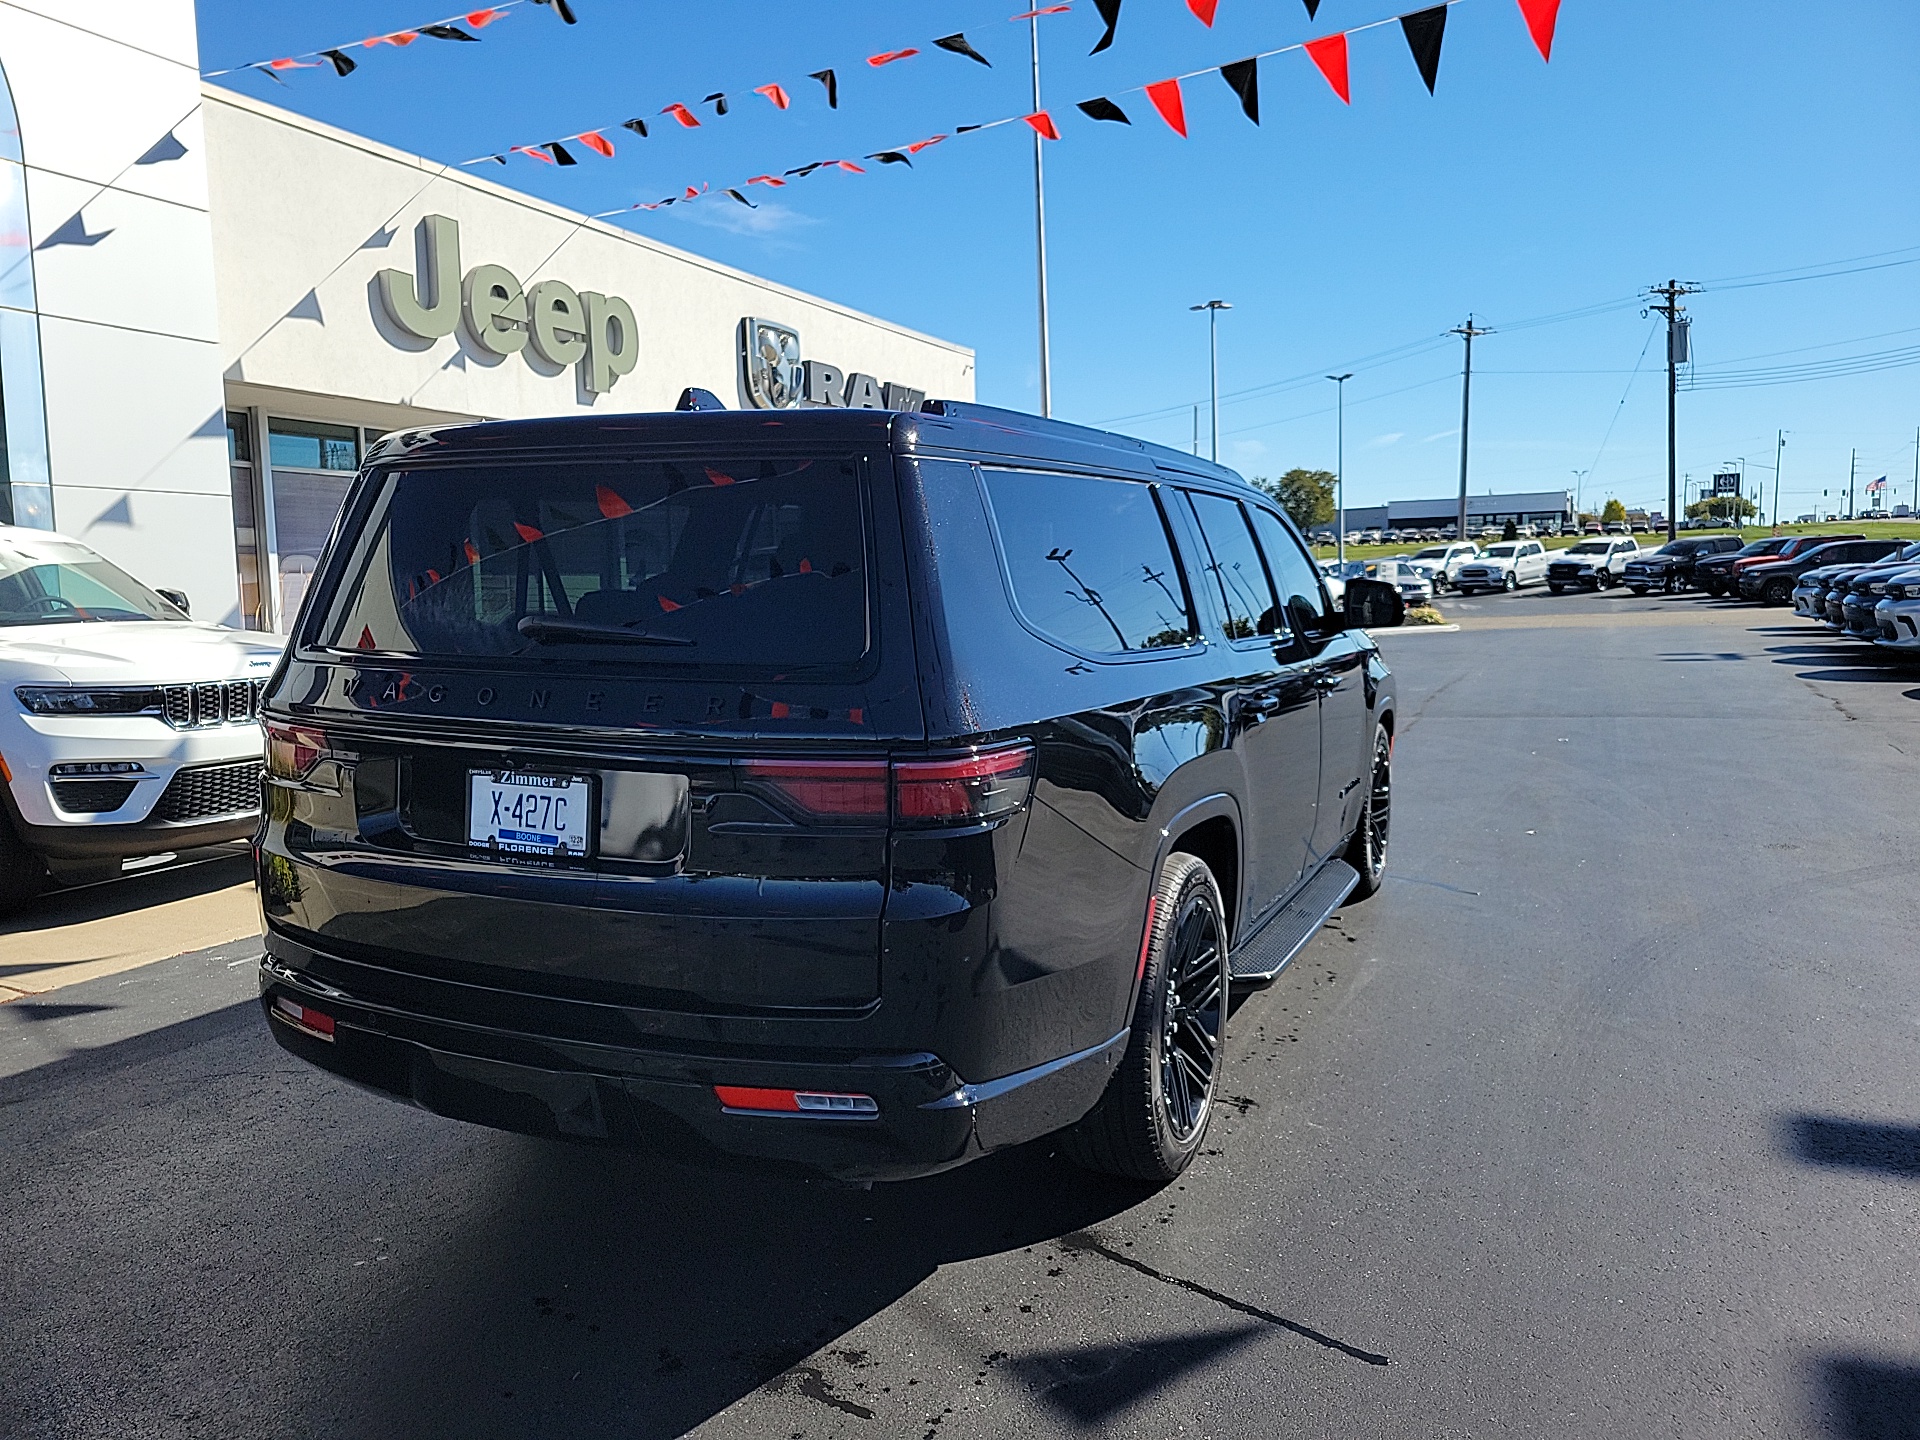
[1591, 564]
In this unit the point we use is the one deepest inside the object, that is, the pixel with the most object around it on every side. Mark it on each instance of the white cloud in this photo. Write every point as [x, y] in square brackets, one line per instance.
[768, 220]
[1241, 453]
[1392, 437]
[1439, 435]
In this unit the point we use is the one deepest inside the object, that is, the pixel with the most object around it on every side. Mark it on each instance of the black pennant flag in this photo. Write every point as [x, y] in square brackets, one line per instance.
[1109, 12]
[1243, 76]
[719, 102]
[639, 127]
[826, 78]
[448, 32]
[743, 199]
[1101, 108]
[892, 157]
[957, 43]
[560, 153]
[1313, 8]
[565, 10]
[342, 62]
[1423, 30]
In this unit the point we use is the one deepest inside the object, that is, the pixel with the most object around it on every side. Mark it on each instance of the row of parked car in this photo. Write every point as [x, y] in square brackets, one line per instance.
[1876, 600]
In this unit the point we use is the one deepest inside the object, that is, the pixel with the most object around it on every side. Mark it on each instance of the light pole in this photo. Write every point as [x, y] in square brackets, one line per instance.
[1213, 309]
[1579, 479]
[1040, 226]
[1779, 455]
[1340, 466]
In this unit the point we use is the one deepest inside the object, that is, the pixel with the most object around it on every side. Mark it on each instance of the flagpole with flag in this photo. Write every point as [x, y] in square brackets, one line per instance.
[1040, 223]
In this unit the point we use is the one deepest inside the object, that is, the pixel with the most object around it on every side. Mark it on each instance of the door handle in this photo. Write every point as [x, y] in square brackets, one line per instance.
[1262, 705]
[1326, 681]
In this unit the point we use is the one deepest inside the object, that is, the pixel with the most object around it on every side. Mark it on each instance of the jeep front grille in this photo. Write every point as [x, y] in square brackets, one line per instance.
[196, 707]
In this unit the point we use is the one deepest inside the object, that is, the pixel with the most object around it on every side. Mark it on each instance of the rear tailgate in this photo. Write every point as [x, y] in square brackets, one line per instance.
[461, 700]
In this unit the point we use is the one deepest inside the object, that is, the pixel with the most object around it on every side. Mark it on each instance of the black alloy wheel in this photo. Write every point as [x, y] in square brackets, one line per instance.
[1367, 851]
[1153, 1117]
[1777, 592]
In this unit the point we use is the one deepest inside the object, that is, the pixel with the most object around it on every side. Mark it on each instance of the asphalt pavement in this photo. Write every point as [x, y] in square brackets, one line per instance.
[1600, 1120]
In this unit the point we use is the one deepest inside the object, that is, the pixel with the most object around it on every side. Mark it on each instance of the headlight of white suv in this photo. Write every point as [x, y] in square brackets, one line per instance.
[75, 700]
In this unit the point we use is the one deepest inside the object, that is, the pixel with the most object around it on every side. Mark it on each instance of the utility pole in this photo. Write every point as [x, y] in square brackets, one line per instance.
[1679, 352]
[1340, 467]
[1040, 226]
[1579, 479]
[1465, 332]
[1196, 432]
[1213, 309]
[1779, 454]
[1853, 463]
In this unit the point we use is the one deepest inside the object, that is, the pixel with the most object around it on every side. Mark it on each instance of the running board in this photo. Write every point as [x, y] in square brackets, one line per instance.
[1266, 954]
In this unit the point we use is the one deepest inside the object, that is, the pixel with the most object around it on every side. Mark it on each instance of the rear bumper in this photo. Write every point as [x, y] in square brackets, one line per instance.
[928, 1117]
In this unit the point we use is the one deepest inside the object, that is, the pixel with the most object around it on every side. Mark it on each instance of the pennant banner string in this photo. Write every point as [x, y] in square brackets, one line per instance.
[954, 44]
[453, 27]
[1422, 28]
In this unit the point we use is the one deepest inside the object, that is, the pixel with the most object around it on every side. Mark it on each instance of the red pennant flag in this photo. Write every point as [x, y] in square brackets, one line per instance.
[292, 65]
[540, 155]
[775, 94]
[596, 142]
[1541, 16]
[611, 505]
[887, 57]
[718, 477]
[367, 642]
[1329, 53]
[473, 552]
[1050, 10]
[666, 604]
[1165, 95]
[401, 38]
[919, 145]
[1203, 10]
[527, 532]
[685, 116]
[773, 180]
[481, 18]
[850, 167]
[1043, 124]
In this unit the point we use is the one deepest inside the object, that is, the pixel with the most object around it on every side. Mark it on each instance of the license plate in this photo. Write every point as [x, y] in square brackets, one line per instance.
[526, 813]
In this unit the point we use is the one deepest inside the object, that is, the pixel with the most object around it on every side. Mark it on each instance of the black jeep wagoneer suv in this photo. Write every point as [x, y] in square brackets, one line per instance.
[844, 788]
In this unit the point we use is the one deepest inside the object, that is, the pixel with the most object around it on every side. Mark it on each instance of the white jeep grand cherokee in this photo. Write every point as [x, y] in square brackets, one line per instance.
[126, 729]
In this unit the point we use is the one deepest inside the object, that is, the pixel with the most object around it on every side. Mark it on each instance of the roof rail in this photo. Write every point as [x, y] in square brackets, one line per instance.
[1019, 420]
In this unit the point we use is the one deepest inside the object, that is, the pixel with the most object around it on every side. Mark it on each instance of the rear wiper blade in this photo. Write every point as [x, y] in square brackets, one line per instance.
[541, 628]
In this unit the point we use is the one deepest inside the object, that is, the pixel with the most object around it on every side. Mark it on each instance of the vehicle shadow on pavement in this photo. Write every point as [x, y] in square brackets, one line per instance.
[385, 1272]
[130, 894]
[1834, 1143]
[1866, 1397]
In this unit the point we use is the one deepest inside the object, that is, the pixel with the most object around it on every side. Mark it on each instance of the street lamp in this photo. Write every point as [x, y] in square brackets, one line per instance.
[1579, 479]
[1340, 467]
[1213, 309]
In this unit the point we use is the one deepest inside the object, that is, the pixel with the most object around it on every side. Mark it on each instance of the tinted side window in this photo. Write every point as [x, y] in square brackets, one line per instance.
[1246, 595]
[1294, 575]
[1090, 560]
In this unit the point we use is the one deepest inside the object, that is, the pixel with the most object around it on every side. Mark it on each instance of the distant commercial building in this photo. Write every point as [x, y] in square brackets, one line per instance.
[1537, 508]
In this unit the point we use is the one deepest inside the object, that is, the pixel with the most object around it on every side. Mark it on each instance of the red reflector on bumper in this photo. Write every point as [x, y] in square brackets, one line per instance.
[303, 1017]
[819, 1103]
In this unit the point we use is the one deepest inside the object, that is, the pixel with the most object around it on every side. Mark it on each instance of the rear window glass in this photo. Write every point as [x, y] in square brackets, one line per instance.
[1246, 597]
[1090, 561]
[715, 561]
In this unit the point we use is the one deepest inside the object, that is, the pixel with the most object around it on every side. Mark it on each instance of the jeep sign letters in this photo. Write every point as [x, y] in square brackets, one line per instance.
[565, 326]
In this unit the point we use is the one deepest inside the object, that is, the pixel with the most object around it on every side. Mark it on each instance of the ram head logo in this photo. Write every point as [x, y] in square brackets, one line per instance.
[771, 354]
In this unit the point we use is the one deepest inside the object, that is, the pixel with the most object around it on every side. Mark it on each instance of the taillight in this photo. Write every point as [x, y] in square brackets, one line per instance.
[963, 790]
[293, 750]
[842, 790]
[955, 790]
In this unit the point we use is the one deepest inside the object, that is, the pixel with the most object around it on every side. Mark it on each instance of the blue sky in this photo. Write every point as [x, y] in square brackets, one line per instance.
[1689, 138]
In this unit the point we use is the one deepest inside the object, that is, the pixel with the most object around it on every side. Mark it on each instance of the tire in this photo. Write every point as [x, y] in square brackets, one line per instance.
[1150, 1123]
[1512, 582]
[1778, 592]
[23, 874]
[1715, 589]
[1556, 589]
[1638, 589]
[1367, 851]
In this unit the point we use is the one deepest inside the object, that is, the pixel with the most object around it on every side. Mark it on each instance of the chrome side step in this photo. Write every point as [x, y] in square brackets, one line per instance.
[1265, 954]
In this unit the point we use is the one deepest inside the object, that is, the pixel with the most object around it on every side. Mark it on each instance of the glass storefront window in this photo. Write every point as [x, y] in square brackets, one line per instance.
[308, 445]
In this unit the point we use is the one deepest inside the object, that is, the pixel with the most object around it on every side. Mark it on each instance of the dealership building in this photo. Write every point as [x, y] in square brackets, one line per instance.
[1539, 508]
[209, 306]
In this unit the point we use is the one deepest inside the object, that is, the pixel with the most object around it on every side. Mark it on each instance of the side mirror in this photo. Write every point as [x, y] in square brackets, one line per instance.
[175, 598]
[1374, 605]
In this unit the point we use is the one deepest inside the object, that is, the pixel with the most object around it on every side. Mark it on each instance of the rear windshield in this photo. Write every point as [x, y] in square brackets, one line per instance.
[716, 561]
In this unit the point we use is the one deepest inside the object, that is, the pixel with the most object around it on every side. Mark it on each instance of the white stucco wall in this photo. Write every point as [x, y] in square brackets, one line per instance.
[295, 267]
[135, 442]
